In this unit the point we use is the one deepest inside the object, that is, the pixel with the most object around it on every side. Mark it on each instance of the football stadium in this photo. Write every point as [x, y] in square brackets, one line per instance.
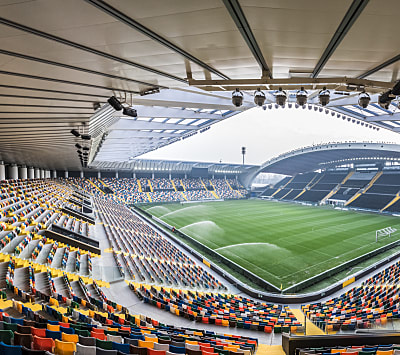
[204, 178]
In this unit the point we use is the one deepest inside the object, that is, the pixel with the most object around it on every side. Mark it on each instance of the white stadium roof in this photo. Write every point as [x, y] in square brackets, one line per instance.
[176, 62]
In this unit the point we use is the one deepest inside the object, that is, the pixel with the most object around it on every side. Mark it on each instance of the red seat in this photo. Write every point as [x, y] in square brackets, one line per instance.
[100, 336]
[39, 332]
[155, 352]
[46, 344]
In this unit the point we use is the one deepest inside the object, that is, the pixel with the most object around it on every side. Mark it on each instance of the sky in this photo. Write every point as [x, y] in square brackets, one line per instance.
[266, 134]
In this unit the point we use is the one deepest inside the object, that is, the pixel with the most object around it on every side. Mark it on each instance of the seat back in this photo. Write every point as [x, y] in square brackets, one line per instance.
[6, 336]
[6, 349]
[39, 332]
[85, 350]
[23, 339]
[163, 347]
[43, 344]
[64, 348]
[74, 338]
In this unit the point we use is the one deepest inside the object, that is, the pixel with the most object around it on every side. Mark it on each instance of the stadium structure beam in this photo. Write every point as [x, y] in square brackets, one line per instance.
[354, 11]
[240, 20]
[126, 124]
[335, 83]
[62, 81]
[82, 47]
[380, 67]
[171, 112]
[392, 117]
[73, 67]
[120, 16]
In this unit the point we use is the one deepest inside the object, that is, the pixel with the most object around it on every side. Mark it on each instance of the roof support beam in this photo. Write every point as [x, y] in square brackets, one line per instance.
[393, 117]
[72, 67]
[108, 9]
[82, 47]
[29, 76]
[237, 14]
[348, 20]
[380, 67]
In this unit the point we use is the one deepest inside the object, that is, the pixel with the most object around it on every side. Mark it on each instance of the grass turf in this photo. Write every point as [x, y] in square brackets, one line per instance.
[281, 242]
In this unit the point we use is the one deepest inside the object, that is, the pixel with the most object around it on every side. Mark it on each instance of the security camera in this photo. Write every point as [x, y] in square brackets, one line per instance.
[364, 99]
[259, 97]
[237, 98]
[324, 96]
[301, 97]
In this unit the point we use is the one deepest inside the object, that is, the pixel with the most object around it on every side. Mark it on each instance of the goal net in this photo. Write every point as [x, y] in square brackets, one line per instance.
[385, 232]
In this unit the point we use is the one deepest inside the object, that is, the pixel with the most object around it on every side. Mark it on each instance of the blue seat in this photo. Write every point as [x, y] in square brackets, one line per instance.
[124, 348]
[19, 321]
[67, 330]
[53, 334]
[10, 349]
[177, 349]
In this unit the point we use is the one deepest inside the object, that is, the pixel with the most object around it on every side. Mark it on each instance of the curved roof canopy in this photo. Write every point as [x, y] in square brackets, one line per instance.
[330, 155]
[59, 57]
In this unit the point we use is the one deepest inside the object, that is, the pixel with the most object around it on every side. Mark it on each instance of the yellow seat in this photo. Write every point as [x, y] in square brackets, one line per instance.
[71, 338]
[64, 348]
[384, 352]
[153, 340]
[53, 328]
[146, 344]
[192, 342]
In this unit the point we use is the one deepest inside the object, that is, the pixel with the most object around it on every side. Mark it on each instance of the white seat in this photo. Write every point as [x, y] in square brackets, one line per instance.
[85, 350]
[115, 338]
[163, 347]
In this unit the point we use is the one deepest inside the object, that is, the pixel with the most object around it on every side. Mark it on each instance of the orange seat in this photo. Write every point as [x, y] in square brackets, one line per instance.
[46, 344]
[74, 338]
[39, 332]
[100, 336]
[53, 328]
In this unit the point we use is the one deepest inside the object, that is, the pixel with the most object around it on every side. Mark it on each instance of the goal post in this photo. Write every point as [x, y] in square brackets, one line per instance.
[385, 232]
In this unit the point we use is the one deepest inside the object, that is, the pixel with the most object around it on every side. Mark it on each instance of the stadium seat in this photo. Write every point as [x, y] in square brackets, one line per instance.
[64, 348]
[43, 344]
[23, 339]
[85, 350]
[6, 349]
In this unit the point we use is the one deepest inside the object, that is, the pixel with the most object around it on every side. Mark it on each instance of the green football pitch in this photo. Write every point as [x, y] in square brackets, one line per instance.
[281, 242]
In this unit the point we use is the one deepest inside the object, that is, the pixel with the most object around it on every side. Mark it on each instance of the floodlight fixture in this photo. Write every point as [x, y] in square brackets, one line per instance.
[259, 97]
[364, 99]
[384, 100]
[115, 103]
[128, 111]
[77, 145]
[86, 137]
[75, 133]
[237, 98]
[96, 105]
[280, 97]
[301, 97]
[324, 96]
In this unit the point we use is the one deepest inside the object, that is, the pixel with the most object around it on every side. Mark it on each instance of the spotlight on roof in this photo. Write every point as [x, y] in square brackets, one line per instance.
[86, 148]
[281, 97]
[79, 152]
[259, 97]
[301, 97]
[128, 111]
[364, 99]
[384, 100]
[324, 96]
[75, 133]
[237, 98]
[86, 137]
[96, 105]
[114, 102]
[78, 146]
